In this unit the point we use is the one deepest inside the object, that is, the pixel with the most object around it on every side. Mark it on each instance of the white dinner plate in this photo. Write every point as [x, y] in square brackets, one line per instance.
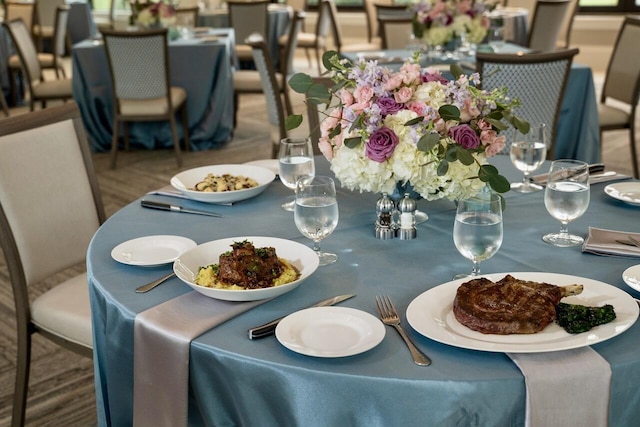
[628, 192]
[431, 314]
[330, 331]
[186, 180]
[300, 256]
[151, 251]
[631, 277]
[272, 164]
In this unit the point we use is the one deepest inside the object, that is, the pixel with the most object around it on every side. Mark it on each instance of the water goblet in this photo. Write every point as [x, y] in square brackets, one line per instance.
[295, 158]
[566, 198]
[477, 230]
[316, 212]
[527, 153]
[496, 38]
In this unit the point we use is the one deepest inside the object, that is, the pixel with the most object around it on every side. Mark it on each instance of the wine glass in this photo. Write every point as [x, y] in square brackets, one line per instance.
[566, 198]
[295, 158]
[477, 231]
[496, 38]
[316, 212]
[527, 153]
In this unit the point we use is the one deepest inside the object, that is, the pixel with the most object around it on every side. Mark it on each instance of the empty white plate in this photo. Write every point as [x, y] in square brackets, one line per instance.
[631, 277]
[151, 251]
[330, 331]
[628, 192]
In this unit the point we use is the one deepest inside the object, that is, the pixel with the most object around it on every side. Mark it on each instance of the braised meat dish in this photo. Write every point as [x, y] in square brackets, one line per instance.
[509, 306]
[249, 267]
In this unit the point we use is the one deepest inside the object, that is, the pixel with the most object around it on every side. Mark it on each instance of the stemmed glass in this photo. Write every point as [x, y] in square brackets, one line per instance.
[316, 212]
[496, 38]
[477, 231]
[527, 153]
[566, 198]
[295, 158]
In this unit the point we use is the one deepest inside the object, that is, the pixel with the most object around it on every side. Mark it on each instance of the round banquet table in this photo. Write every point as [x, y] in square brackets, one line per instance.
[237, 381]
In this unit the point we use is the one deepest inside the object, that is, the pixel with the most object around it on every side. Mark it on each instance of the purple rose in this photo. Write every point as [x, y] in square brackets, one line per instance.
[465, 136]
[381, 144]
[434, 77]
[388, 105]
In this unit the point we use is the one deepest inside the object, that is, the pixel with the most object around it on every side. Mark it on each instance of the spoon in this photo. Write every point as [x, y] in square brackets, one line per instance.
[151, 285]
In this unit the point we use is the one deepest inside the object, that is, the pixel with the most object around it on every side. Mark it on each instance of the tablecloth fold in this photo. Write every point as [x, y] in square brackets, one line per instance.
[162, 337]
[565, 388]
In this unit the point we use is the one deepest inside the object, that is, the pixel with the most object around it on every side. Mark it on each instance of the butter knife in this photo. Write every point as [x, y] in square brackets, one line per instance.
[541, 179]
[270, 327]
[176, 208]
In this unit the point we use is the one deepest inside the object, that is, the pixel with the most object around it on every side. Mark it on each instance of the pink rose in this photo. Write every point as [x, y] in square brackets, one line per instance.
[331, 121]
[488, 136]
[346, 97]
[496, 147]
[484, 125]
[393, 82]
[403, 95]
[325, 148]
[418, 107]
[411, 73]
[363, 94]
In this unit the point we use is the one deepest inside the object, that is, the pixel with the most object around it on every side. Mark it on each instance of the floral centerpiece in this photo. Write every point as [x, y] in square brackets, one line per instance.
[437, 22]
[154, 15]
[409, 127]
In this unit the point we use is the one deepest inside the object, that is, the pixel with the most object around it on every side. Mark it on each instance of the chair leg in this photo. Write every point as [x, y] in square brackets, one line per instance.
[306, 51]
[114, 144]
[185, 128]
[176, 140]
[634, 152]
[3, 104]
[319, 60]
[22, 378]
[125, 131]
[236, 101]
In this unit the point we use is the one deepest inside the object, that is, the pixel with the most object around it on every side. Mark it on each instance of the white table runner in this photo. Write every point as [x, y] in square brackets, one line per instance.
[162, 338]
[568, 388]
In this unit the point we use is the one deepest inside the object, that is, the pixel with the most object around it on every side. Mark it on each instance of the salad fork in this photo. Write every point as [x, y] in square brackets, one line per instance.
[389, 316]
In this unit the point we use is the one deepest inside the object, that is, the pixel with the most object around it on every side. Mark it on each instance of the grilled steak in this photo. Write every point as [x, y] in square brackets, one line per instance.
[509, 306]
[249, 267]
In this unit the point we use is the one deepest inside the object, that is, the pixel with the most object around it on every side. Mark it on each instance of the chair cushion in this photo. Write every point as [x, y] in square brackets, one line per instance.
[44, 31]
[304, 40]
[249, 81]
[53, 89]
[46, 60]
[153, 106]
[244, 52]
[609, 116]
[65, 311]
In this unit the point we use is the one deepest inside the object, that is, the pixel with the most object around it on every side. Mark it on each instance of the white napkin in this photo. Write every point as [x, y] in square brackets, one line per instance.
[169, 190]
[162, 338]
[566, 388]
[603, 242]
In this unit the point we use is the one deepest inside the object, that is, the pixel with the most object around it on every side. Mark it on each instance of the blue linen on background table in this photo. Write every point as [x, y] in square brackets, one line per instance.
[236, 381]
[203, 68]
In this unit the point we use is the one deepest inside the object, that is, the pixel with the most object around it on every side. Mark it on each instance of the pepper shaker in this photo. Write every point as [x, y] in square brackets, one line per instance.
[384, 223]
[407, 207]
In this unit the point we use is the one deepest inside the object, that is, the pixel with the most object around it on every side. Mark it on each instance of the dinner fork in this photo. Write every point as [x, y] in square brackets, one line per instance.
[390, 317]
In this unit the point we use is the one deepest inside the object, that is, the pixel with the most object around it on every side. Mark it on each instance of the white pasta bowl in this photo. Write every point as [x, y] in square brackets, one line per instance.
[300, 256]
[185, 181]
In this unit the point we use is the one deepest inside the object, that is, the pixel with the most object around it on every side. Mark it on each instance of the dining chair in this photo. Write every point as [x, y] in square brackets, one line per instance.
[373, 33]
[622, 85]
[140, 82]
[564, 38]
[3, 104]
[395, 32]
[246, 18]
[39, 89]
[331, 12]
[288, 53]
[107, 21]
[546, 24]
[187, 16]
[51, 60]
[18, 10]
[537, 79]
[44, 24]
[50, 208]
[271, 89]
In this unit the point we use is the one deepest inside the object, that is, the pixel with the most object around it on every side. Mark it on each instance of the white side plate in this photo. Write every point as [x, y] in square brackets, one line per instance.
[151, 251]
[631, 277]
[628, 192]
[330, 331]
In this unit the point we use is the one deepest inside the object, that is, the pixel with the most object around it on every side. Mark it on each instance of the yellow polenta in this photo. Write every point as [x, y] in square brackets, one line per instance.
[208, 277]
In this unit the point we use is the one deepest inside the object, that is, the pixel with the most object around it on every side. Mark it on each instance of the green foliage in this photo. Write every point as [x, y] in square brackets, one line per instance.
[579, 318]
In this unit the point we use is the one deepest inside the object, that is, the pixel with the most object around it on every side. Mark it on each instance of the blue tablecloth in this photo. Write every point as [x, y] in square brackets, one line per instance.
[235, 381]
[202, 68]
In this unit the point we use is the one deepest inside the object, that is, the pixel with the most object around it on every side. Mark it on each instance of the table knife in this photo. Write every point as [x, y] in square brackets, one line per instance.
[270, 327]
[594, 168]
[176, 208]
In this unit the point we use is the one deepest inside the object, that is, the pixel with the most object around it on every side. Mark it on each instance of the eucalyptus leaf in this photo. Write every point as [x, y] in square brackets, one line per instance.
[521, 124]
[300, 82]
[443, 168]
[449, 112]
[319, 94]
[499, 183]
[428, 142]
[330, 60]
[465, 157]
[414, 121]
[293, 121]
[451, 154]
[456, 70]
[353, 142]
[335, 131]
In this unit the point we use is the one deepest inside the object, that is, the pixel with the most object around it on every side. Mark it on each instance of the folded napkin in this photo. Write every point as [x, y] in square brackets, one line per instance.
[162, 338]
[603, 242]
[566, 388]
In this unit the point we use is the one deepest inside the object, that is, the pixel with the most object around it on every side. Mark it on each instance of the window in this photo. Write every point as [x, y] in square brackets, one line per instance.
[609, 6]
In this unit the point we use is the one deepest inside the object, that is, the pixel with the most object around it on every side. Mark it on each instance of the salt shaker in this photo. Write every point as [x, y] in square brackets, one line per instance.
[384, 223]
[407, 207]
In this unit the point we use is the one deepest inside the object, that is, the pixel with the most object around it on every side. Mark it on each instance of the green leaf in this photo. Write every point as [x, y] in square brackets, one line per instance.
[521, 124]
[456, 70]
[300, 82]
[500, 184]
[293, 121]
[449, 112]
[353, 142]
[443, 168]
[451, 154]
[465, 157]
[318, 94]
[328, 60]
[497, 124]
[428, 142]
[335, 131]
[414, 121]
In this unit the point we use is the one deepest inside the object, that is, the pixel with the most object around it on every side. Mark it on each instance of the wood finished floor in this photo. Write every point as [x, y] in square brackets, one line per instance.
[61, 385]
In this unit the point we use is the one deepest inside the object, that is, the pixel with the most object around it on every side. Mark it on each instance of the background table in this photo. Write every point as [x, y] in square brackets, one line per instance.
[202, 68]
[235, 381]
